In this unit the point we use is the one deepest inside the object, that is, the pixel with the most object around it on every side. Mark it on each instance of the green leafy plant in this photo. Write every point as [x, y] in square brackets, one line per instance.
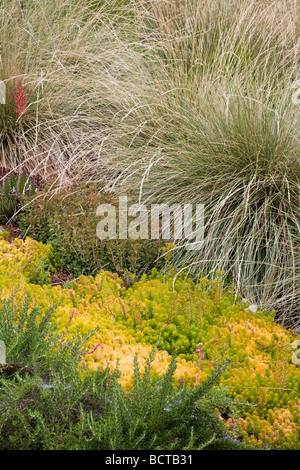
[67, 220]
[13, 186]
[47, 402]
[155, 415]
[41, 391]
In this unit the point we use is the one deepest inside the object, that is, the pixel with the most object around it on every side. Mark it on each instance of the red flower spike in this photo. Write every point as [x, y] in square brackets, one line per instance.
[20, 100]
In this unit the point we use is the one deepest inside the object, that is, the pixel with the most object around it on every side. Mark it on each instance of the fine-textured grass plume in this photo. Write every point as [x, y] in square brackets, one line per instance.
[52, 48]
[206, 116]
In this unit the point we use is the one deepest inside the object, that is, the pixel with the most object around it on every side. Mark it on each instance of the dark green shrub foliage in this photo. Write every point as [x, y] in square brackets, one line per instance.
[157, 416]
[47, 403]
[68, 221]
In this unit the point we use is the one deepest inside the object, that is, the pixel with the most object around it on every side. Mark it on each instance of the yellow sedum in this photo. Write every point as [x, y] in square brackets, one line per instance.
[261, 374]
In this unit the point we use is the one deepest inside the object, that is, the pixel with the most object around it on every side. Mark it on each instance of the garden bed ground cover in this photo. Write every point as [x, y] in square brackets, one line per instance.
[261, 376]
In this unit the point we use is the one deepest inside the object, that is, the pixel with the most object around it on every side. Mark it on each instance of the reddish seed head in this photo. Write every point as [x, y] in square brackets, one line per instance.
[20, 100]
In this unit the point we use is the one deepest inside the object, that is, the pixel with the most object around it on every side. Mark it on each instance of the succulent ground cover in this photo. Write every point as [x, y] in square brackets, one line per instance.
[260, 377]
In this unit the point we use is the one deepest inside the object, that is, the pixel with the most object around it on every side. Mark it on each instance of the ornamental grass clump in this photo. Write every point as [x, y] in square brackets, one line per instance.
[208, 117]
[52, 50]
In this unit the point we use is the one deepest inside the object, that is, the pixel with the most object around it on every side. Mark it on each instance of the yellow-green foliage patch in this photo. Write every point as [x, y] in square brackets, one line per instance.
[261, 375]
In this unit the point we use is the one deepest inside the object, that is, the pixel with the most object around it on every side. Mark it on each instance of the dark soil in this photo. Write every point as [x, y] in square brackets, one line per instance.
[13, 229]
[59, 279]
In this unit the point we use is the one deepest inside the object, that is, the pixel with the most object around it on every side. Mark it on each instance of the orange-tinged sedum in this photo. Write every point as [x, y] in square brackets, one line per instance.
[261, 375]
